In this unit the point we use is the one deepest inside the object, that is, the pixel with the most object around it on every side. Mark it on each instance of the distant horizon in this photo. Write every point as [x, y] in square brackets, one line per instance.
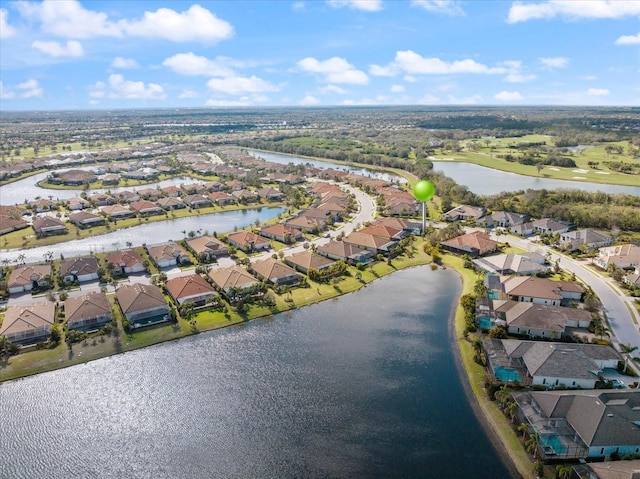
[76, 55]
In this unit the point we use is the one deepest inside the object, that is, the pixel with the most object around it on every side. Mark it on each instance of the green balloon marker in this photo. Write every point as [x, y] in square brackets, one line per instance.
[424, 191]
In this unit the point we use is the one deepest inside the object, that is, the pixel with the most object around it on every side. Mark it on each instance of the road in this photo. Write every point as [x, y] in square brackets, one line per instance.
[614, 301]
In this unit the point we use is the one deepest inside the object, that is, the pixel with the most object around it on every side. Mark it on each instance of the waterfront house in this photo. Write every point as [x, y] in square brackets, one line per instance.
[42, 205]
[472, 244]
[115, 212]
[244, 195]
[206, 248]
[540, 290]
[142, 304]
[233, 281]
[221, 198]
[87, 312]
[151, 194]
[110, 179]
[347, 252]
[102, 199]
[171, 203]
[11, 219]
[517, 264]
[28, 324]
[82, 269]
[270, 194]
[145, 208]
[248, 241]
[77, 203]
[281, 232]
[125, 262]
[48, 226]
[306, 260]
[172, 191]
[84, 219]
[549, 364]
[196, 201]
[464, 212]
[192, 288]
[374, 243]
[275, 272]
[168, 254]
[626, 256]
[27, 277]
[127, 196]
[583, 425]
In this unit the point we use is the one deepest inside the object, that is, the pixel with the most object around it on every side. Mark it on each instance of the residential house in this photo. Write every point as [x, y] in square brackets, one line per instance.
[170, 203]
[77, 203]
[127, 196]
[102, 199]
[27, 277]
[401, 206]
[270, 194]
[142, 304]
[244, 195]
[88, 312]
[472, 244]
[84, 219]
[233, 281]
[408, 225]
[540, 290]
[145, 208]
[591, 425]
[82, 269]
[115, 212]
[206, 248]
[28, 324]
[192, 288]
[626, 256]
[197, 201]
[72, 177]
[502, 219]
[151, 194]
[221, 198]
[248, 241]
[347, 252]
[464, 212]
[525, 229]
[48, 226]
[305, 260]
[550, 226]
[549, 364]
[572, 240]
[537, 320]
[42, 205]
[374, 243]
[126, 262]
[11, 219]
[110, 179]
[388, 232]
[307, 224]
[168, 254]
[275, 272]
[281, 232]
[518, 264]
[172, 191]
[235, 185]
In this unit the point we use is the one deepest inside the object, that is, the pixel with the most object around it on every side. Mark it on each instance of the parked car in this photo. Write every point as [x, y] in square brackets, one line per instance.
[617, 384]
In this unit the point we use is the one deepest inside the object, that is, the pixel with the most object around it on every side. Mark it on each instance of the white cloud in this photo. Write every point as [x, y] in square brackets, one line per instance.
[413, 63]
[225, 103]
[589, 78]
[380, 71]
[70, 19]
[410, 78]
[575, 9]
[118, 87]
[190, 64]
[629, 40]
[470, 100]
[29, 89]
[124, 63]
[362, 101]
[309, 100]
[195, 24]
[6, 30]
[235, 85]
[5, 93]
[188, 94]
[332, 89]
[365, 5]
[597, 92]
[508, 96]
[553, 62]
[335, 70]
[519, 78]
[397, 88]
[297, 6]
[447, 7]
[73, 48]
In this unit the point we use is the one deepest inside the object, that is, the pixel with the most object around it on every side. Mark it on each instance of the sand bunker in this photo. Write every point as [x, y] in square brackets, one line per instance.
[602, 173]
[578, 177]
[554, 169]
[579, 171]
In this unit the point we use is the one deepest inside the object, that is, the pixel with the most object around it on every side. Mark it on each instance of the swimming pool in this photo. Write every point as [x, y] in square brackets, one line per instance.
[553, 444]
[507, 375]
[484, 322]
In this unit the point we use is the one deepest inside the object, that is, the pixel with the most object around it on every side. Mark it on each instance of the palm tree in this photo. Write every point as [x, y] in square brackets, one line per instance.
[503, 395]
[532, 444]
[563, 471]
[627, 349]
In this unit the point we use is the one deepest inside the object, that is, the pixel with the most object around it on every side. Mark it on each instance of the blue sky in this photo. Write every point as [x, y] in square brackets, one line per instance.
[60, 54]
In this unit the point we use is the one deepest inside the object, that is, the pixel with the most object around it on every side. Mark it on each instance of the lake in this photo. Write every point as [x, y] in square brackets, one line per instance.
[363, 386]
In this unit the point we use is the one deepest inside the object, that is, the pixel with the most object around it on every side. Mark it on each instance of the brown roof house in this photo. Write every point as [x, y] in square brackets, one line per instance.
[281, 232]
[88, 312]
[84, 219]
[145, 208]
[27, 277]
[171, 203]
[270, 194]
[233, 281]
[116, 211]
[625, 256]
[28, 324]
[473, 244]
[540, 290]
[275, 272]
[305, 260]
[341, 251]
[80, 269]
[248, 241]
[464, 212]
[221, 198]
[126, 262]
[142, 304]
[197, 201]
[190, 289]
[168, 254]
[374, 243]
[49, 225]
[206, 248]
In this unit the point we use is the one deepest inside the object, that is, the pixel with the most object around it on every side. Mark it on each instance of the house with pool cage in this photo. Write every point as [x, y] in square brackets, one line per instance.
[596, 424]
